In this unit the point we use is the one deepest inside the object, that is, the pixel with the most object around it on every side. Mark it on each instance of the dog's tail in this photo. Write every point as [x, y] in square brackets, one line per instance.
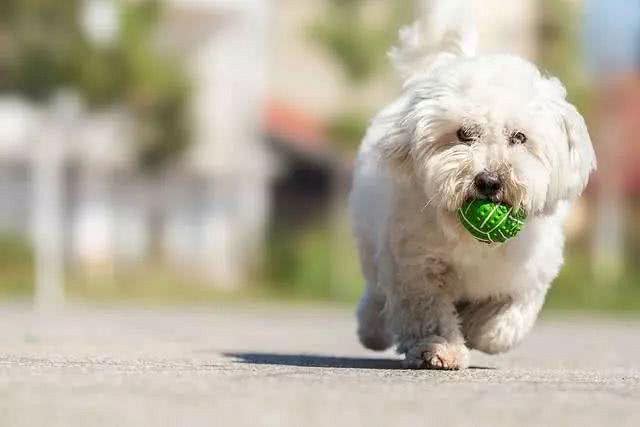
[446, 27]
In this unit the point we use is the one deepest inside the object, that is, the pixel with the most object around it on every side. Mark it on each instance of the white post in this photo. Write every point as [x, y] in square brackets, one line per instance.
[48, 208]
[229, 70]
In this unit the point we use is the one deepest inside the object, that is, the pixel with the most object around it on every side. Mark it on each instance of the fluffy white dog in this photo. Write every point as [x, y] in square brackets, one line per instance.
[466, 126]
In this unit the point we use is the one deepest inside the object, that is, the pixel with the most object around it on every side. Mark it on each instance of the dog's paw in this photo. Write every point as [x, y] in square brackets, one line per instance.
[493, 328]
[377, 340]
[494, 337]
[436, 353]
[372, 324]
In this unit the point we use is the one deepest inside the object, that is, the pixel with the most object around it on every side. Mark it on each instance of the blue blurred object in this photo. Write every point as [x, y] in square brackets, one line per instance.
[612, 35]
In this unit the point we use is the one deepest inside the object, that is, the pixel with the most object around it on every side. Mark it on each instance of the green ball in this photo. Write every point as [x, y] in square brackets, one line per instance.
[491, 222]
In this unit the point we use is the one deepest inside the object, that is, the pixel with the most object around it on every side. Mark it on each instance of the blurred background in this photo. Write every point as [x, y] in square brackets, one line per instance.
[189, 151]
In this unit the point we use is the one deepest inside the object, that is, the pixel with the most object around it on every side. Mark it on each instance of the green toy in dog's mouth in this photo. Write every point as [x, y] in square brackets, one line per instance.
[491, 222]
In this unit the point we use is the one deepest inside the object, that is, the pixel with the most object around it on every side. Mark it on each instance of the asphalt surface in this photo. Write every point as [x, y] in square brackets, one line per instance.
[278, 366]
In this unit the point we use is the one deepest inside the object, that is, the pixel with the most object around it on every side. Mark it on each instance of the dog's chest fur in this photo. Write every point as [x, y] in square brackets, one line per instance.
[424, 243]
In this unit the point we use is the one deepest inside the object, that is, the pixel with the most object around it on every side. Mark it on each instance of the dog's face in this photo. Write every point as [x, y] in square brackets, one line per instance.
[492, 127]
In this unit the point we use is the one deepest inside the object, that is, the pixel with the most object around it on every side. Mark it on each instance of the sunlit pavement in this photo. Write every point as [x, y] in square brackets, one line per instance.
[295, 366]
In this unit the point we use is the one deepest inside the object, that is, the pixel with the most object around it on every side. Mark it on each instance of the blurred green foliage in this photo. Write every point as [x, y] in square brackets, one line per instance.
[575, 288]
[16, 266]
[318, 262]
[560, 50]
[43, 48]
[358, 39]
[346, 130]
[150, 284]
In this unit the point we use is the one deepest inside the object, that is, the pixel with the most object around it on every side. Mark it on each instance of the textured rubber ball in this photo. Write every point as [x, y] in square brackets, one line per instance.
[491, 222]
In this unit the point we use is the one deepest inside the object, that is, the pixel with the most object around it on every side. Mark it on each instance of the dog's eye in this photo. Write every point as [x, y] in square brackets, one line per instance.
[466, 134]
[517, 138]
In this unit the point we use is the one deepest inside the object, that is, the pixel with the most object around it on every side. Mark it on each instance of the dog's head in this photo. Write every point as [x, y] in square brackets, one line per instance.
[491, 127]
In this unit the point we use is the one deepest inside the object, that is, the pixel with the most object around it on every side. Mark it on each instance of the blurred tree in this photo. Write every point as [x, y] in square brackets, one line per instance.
[358, 41]
[43, 48]
[559, 37]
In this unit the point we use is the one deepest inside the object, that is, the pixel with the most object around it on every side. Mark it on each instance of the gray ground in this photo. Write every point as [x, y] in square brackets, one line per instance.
[259, 365]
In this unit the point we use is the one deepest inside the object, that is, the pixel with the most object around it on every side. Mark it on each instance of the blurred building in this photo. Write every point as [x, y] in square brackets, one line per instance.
[207, 214]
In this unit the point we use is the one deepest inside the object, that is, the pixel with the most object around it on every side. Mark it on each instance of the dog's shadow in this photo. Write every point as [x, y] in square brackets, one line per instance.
[318, 361]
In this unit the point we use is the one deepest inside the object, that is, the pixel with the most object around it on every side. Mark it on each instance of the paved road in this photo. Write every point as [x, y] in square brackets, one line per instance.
[259, 365]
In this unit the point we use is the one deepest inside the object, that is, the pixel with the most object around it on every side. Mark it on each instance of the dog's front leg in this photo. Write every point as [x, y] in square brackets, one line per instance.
[428, 332]
[425, 320]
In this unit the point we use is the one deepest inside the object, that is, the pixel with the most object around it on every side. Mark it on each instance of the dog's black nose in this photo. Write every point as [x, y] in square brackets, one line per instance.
[487, 183]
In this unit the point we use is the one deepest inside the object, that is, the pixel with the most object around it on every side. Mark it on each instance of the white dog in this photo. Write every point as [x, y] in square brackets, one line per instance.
[465, 127]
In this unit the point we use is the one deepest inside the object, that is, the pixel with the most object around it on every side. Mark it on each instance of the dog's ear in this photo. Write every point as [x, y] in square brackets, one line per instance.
[392, 132]
[581, 157]
[576, 158]
[395, 148]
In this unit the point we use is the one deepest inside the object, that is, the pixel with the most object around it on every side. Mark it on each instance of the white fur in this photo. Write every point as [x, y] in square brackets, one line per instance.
[431, 288]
